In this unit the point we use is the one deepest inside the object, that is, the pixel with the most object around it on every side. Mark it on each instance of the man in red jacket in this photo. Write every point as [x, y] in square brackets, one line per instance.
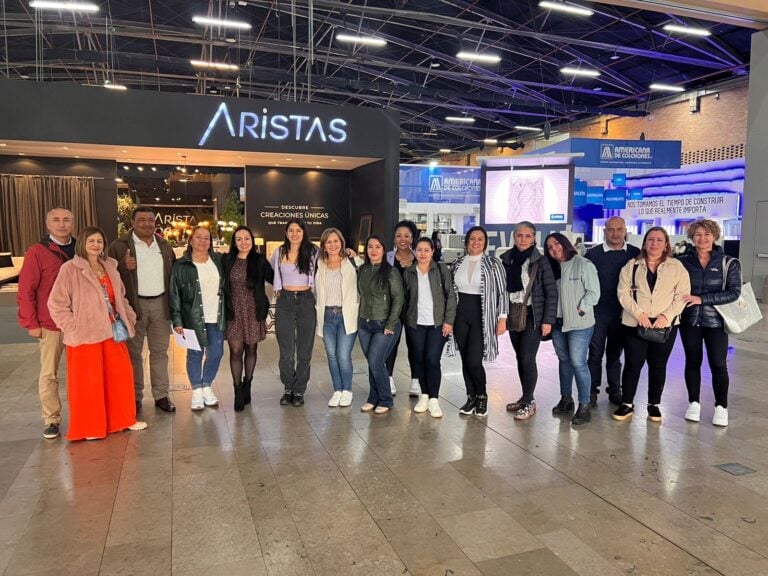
[41, 267]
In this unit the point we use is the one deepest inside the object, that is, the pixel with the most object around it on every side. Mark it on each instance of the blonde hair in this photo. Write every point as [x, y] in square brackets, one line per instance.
[324, 238]
[709, 225]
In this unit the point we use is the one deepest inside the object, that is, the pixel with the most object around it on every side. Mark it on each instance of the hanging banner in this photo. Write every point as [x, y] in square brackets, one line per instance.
[635, 193]
[579, 192]
[703, 206]
[595, 194]
[615, 199]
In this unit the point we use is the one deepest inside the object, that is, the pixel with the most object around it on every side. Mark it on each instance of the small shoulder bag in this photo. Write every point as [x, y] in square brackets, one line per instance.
[119, 330]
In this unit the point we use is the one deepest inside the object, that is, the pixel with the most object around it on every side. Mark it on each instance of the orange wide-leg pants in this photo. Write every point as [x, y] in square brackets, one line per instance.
[100, 389]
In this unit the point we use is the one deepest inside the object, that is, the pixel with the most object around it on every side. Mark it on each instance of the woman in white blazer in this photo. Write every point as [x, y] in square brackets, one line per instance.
[337, 309]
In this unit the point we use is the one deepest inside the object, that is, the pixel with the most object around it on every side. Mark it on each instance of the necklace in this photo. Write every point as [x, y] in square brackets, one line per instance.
[99, 271]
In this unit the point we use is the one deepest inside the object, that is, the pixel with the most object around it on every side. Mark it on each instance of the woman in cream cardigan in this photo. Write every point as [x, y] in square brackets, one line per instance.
[651, 291]
[337, 309]
[99, 373]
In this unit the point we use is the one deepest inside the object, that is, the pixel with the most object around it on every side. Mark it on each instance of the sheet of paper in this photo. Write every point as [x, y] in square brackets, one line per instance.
[187, 340]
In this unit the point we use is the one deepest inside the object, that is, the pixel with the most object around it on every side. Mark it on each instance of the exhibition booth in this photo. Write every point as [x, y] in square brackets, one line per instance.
[63, 144]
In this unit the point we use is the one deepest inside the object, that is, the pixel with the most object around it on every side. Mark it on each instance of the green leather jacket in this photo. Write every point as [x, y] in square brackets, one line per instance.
[378, 303]
[186, 300]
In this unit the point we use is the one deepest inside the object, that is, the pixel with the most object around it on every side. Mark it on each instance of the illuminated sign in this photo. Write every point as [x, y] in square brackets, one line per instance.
[296, 127]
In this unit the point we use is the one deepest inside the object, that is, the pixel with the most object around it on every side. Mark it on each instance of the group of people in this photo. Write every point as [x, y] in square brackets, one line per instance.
[78, 292]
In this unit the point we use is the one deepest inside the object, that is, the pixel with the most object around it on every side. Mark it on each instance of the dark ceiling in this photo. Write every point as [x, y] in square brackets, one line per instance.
[291, 53]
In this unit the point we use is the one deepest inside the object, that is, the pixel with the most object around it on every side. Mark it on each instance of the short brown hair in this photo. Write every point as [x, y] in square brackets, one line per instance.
[709, 225]
[83, 236]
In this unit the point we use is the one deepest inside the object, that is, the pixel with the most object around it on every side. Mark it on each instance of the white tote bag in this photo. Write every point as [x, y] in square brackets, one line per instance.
[741, 313]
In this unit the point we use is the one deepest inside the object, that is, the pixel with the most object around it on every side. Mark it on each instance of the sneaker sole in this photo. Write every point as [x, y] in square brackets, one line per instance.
[198, 408]
[467, 412]
[654, 418]
[51, 436]
[694, 420]
[622, 418]
[479, 415]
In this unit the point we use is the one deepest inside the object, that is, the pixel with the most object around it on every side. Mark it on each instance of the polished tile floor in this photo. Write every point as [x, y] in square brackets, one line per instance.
[320, 491]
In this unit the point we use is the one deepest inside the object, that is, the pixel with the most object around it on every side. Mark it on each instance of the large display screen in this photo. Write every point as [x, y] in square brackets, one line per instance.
[539, 195]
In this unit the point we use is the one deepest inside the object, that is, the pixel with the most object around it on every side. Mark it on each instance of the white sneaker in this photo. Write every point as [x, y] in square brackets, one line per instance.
[335, 399]
[346, 398]
[434, 408]
[693, 414]
[414, 390]
[209, 398]
[422, 405]
[197, 399]
[721, 416]
[138, 425]
[392, 388]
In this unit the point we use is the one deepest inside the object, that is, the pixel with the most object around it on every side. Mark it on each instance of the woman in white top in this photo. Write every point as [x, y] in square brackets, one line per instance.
[481, 315]
[337, 309]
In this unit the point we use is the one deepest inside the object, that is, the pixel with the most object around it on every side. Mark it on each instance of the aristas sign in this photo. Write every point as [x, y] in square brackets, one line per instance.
[262, 125]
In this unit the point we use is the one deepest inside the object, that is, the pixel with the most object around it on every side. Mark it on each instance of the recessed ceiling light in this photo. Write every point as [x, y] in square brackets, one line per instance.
[580, 71]
[70, 6]
[666, 87]
[3, 145]
[223, 23]
[22, 154]
[318, 167]
[118, 179]
[124, 151]
[365, 40]
[277, 164]
[460, 119]
[289, 159]
[77, 156]
[140, 168]
[690, 30]
[475, 57]
[126, 167]
[567, 8]
[154, 169]
[334, 160]
[65, 147]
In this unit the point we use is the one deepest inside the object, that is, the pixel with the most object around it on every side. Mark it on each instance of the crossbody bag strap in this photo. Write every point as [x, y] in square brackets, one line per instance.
[533, 269]
[113, 316]
[634, 282]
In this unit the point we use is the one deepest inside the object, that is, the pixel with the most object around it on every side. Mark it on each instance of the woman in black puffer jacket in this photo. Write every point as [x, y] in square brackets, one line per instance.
[701, 323]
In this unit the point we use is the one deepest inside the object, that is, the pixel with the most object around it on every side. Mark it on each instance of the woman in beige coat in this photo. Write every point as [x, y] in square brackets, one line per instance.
[651, 290]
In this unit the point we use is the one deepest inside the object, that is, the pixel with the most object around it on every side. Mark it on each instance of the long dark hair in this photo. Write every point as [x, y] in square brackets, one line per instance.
[381, 278]
[233, 251]
[304, 262]
[568, 251]
[475, 229]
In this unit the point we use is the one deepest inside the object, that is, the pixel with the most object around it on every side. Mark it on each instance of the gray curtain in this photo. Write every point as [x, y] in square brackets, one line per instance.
[25, 200]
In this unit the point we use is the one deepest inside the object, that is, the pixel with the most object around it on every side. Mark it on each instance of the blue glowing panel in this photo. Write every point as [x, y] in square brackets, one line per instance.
[595, 194]
[615, 199]
[440, 184]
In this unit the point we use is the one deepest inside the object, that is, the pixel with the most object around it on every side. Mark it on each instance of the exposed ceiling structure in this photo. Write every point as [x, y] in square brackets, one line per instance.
[292, 52]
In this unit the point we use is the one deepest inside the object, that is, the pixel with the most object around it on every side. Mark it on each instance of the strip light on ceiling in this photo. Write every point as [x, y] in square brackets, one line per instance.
[567, 8]
[70, 6]
[445, 150]
[109, 85]
[223, 23]
[528, 128]
[482, 58]
[214, 65]
[365, 40]
[690, 30]
[491, 142]
[580, 71]
[460, 119]
[666, 87]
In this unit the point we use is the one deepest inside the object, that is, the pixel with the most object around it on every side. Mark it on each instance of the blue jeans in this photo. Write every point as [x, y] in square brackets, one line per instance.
[338, 348]
[203, 373]
[376, 347]
[572, 348]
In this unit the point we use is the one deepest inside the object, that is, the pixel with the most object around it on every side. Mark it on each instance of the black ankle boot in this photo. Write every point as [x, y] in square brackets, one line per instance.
[565, 406]
[583, 415]
[239, 403]
[481, 407]
[247, 390]
[469, 406]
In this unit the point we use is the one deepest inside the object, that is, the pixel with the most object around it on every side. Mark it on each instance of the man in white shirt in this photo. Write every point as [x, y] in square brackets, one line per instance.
[145, 262]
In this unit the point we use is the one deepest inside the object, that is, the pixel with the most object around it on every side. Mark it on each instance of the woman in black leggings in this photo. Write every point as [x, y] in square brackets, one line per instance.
[481, 315]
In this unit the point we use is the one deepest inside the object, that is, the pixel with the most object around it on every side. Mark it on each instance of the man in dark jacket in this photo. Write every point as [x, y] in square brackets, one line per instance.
[609, 258]
[145, 262]
[41, 267]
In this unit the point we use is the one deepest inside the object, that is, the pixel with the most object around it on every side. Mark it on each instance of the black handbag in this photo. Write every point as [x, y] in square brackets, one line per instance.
[655, 335]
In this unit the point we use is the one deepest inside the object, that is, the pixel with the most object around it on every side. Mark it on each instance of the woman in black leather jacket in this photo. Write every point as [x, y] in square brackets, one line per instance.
[701, 323]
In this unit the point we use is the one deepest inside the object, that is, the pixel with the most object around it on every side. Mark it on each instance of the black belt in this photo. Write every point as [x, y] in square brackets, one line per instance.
[333, 308]
[152, 297]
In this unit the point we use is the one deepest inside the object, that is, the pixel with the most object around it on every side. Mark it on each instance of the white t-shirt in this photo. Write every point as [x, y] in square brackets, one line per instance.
[426, 311]
[208, 276]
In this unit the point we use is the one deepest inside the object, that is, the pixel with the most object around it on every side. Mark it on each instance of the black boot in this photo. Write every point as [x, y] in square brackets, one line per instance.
[481, 406]
[469, 406]
[239, 403]
[247, 390]
[565, 406]
[582, 416]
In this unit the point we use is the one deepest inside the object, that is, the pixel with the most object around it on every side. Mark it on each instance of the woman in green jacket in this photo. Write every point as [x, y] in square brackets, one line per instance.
[197, 303]
[381, 301]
